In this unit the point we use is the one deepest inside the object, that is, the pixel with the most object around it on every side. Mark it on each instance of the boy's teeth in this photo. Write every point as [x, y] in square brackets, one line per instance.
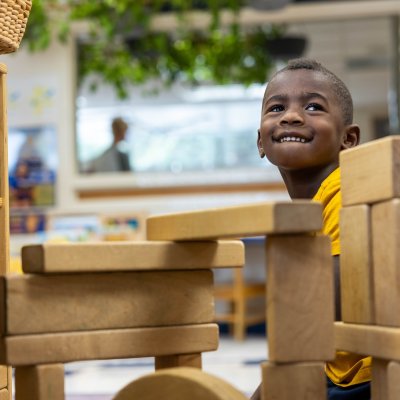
[292, 139]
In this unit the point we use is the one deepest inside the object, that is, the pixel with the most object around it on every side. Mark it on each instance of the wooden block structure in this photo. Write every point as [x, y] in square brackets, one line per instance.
[300, 307]
[370, 255]
[78, 302]
[154, 298]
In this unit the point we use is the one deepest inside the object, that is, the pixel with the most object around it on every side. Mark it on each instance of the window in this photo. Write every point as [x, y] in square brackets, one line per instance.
[178, 134]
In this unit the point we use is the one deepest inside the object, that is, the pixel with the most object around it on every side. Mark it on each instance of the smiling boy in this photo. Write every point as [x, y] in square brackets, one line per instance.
[306, 120]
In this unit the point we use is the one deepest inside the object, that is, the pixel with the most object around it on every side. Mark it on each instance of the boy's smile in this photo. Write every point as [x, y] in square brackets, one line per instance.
[301, 123]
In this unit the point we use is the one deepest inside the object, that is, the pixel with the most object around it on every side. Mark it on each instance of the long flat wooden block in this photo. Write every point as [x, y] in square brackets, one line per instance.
[108, 344]
[356, 272]
[62, 303]
[5, 394]
[376, 341]
[300, 298]
[40, 382]
[370, 173]
[386, 259]
[128, 256]
[237, 221]
[300, 381]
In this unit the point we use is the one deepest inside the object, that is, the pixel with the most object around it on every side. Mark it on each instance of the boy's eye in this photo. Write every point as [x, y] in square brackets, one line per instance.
[276, 108]
[314, 107]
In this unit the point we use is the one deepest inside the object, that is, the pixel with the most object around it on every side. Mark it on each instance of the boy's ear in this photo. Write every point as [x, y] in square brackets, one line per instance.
[351, 137]
[259, 145]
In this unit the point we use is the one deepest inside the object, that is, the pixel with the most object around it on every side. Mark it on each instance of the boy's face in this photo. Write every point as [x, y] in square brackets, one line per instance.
[301, 121]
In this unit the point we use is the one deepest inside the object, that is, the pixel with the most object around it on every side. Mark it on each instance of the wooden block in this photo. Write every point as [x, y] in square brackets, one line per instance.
[394, 380]
[385, 384]
[300, 298]
[356, 272]
[125, 256]
[237, 221]
[10, 383]
[300, 381]
[179, 360]
[40, 382]
[369, 172]
[108, 344]
[62, 303]
[179, 384]
[3, 376]
[379, 382]
[4, 189]
[376, 341]
[5, 394]
[386, 259]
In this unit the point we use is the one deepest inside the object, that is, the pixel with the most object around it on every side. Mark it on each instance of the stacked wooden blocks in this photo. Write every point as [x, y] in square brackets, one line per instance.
[155, 298]
[109, 300]
[300, 308]
[370, 260]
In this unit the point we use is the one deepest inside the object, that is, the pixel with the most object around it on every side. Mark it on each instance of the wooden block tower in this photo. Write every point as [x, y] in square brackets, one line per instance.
[370, 260]
[300, 310]
[13, 19]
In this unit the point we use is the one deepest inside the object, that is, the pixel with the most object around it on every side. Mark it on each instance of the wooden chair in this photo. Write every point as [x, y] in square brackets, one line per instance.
[237, 294]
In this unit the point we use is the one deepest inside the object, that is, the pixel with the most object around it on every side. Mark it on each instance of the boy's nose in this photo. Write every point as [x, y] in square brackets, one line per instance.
[292, 116]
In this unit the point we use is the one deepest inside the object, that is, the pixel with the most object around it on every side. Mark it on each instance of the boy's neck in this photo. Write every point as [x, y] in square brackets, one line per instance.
[304, 184]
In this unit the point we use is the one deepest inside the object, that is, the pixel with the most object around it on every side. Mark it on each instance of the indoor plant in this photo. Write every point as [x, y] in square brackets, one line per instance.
[122, 48]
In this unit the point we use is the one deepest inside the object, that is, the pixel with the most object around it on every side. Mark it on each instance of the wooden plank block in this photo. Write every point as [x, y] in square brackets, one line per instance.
[356, 272]
[3, 376]
[394, 380]
[125, 256]
[5, 394]
[300, 381]
[178, 360]
[386, 258]
[179, 384]
[10, 383]
[237, 221]
[380, 382]
[385, 383]
[376, 341]
[369, 172]
[4, 189]
[62, 303]
[108, 344]
[40, 382]
[300, 298]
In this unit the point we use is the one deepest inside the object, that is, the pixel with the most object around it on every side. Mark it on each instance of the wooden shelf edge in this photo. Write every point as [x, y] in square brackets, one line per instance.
[84, 194]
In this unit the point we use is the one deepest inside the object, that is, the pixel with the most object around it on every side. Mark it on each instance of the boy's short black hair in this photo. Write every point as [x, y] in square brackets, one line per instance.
[340, 89]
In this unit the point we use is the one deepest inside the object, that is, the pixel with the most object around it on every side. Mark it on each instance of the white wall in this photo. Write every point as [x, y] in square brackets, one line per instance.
[49, 79]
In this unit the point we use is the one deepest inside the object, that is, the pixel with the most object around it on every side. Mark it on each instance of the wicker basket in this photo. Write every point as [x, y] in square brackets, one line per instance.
[13, 18]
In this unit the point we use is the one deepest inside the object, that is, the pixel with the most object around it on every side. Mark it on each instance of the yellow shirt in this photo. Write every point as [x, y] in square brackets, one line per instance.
[347, 369]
